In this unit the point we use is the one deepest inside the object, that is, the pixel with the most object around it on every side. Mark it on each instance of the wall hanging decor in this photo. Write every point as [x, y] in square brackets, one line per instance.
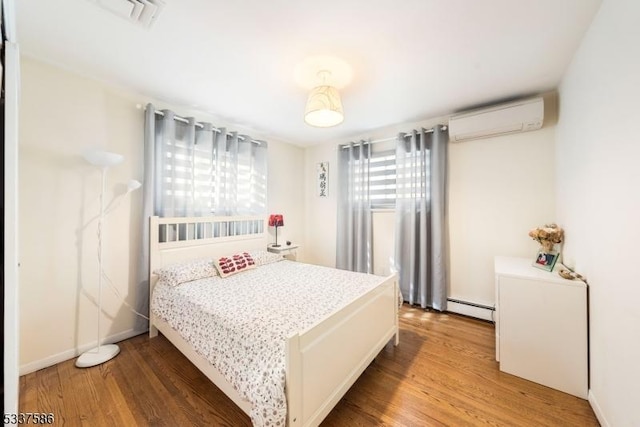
[323, 179]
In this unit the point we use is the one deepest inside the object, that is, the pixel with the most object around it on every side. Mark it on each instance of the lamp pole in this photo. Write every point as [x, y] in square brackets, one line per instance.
[101, 353]
[100, 224]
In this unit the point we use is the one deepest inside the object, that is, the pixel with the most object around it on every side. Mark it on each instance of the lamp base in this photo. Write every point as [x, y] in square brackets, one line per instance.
[97, 355]
[275, 246]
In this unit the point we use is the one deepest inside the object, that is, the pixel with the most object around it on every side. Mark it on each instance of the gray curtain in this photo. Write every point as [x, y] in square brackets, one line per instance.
[354, 233]
[421, 226]
[192, 169]
[148, 190]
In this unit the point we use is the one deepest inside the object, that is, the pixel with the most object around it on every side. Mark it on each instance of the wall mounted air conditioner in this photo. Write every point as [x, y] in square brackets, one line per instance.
[512, 117]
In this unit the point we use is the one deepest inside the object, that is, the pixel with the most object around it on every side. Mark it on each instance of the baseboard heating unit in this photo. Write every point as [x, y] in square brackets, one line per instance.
[472, 309]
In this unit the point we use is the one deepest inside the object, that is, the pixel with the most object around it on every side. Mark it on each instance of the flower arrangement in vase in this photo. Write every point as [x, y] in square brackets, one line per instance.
[548, 236]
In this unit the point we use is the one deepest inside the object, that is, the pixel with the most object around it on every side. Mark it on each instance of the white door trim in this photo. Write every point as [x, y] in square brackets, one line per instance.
[11, 329]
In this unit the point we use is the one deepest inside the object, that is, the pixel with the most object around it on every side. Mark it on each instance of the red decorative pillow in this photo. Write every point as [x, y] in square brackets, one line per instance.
[228, 265]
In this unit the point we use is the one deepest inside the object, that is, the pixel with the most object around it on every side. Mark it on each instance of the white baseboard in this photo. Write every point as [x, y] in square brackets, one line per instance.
[27, 368]
[597, 410]
[469, 310]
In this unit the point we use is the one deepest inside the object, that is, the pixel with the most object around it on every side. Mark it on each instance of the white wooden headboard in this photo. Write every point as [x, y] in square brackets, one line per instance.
[173, 240]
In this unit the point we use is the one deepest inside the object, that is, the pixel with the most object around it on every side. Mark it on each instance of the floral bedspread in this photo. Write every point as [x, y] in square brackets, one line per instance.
[241, 323]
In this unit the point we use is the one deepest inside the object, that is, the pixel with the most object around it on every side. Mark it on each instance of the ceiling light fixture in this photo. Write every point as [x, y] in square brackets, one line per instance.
[324, 107]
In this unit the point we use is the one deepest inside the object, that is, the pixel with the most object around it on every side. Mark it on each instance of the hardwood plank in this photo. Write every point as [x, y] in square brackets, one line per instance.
[73, 390]
[29, 391]
[443, 373]
[113, 404]
[49, 392]
[146, 391]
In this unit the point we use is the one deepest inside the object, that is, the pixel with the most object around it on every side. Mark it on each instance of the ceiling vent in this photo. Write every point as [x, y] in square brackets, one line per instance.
[513, 117]
[141, 12]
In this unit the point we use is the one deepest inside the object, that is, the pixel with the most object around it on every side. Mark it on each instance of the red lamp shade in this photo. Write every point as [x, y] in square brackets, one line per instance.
[276, 220]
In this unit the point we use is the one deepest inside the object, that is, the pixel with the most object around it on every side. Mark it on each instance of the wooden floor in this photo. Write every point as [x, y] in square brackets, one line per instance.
[443, 373]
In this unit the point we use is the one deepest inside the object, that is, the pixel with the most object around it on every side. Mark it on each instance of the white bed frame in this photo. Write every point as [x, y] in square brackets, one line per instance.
[323, 361]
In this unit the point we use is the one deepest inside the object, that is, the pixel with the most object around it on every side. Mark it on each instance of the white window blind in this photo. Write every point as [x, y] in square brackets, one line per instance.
[412, 176]
[382, 179]
[389, 179]
[202, 172]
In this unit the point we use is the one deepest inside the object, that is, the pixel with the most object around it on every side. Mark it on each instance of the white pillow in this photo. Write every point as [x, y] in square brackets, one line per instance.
[186, 271]
[263, 257]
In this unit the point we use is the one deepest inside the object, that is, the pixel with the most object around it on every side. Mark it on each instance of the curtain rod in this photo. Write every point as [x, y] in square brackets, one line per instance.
[393, 138]
[201, 126]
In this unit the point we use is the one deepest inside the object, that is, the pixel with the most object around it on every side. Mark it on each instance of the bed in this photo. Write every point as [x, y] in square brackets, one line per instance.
[356, 329]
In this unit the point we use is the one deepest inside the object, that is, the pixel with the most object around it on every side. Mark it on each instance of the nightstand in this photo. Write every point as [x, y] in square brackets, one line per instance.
[288, 251]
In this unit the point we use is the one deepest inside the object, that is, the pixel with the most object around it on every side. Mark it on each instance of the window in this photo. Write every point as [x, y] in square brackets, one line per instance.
[382, 179]
[384, 174]
[201, 171]
[412, 175]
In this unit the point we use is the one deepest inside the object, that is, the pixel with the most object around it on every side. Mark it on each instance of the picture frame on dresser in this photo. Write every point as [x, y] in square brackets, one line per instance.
[546, 260]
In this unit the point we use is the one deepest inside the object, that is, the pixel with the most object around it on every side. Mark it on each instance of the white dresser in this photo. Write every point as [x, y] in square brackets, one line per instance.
[541, 325]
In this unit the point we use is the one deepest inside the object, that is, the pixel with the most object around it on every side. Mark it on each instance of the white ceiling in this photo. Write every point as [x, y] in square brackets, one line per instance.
[411, 59]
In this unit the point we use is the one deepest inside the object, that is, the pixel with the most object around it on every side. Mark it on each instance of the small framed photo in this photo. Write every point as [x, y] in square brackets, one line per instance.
[546, 260]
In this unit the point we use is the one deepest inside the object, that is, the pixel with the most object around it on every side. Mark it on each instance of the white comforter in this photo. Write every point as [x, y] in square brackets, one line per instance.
[240, 323]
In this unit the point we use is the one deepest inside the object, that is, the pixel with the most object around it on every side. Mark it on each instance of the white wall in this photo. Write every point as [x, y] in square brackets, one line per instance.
[500, 188]
[598, 200]
[63, 114]
[321, 212]
[286, 193]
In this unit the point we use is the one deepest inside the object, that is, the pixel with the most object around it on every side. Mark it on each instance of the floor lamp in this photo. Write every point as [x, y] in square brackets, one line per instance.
[102, 353]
